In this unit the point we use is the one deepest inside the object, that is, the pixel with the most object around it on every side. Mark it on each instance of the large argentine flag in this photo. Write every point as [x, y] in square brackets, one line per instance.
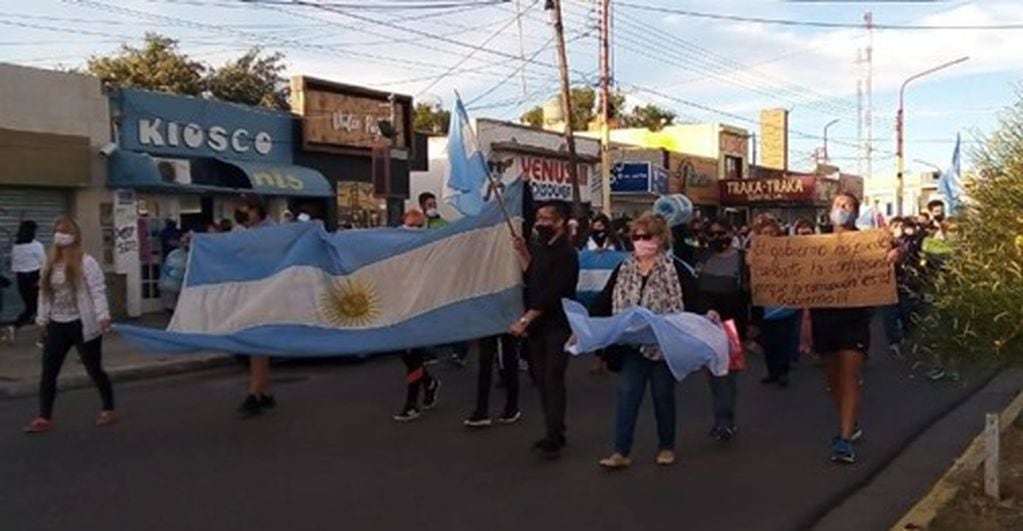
[689, 341]
[296, 290]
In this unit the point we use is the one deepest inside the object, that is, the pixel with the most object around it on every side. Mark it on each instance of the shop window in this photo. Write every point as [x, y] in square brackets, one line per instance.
[733, 167]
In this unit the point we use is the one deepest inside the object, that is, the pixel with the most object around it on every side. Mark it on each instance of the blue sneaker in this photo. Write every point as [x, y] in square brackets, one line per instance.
[842, 451]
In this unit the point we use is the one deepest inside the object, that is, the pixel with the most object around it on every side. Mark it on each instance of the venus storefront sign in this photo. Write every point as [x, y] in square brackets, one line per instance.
[783, 189]
[182, 126]
[551, 180]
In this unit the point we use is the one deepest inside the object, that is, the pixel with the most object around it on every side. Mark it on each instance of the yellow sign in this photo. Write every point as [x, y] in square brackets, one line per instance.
[277, 179]
[774, 139]
[846, 270]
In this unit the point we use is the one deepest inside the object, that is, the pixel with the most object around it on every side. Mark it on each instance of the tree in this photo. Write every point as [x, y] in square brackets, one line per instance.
[431, 119]
[585, 109]
[251, 79]
[650, 116]
[976, 301]
[156, 65]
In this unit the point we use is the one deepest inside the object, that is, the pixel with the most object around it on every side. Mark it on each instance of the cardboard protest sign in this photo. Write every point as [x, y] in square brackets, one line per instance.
[846, 270]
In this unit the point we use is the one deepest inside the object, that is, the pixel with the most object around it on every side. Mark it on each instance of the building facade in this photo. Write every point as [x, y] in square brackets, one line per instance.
[53, 127]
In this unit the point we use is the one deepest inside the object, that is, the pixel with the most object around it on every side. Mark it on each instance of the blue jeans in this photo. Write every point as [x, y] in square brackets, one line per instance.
[636, 371]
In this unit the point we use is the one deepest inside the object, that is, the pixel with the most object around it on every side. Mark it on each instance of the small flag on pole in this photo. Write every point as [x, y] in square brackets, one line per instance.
[950, 184]
[467, 171]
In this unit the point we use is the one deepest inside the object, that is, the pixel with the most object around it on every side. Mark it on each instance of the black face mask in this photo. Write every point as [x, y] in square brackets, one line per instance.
[545, 233]
[599, 237]
[939, 217]
[241, 217]
[721, 244]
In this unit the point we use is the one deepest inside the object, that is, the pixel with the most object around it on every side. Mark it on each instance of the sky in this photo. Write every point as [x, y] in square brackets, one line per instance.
[703, 69]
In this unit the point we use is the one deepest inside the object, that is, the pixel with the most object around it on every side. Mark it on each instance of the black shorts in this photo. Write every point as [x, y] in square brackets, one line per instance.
[837, 330]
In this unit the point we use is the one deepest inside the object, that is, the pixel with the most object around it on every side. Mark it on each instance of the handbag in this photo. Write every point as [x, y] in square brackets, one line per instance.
[736, 352]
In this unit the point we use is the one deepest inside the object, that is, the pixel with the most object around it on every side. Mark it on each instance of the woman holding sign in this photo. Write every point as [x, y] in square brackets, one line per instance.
[842, 336]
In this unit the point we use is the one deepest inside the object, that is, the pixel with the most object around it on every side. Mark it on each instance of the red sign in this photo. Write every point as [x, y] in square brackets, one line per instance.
[774, 190]
[551, 180]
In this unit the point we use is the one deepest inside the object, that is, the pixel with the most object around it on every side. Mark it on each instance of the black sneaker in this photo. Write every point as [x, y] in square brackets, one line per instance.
[430, 394]
[477, 420]
[407, 414]
[251, 406]
[550, 448]
[783, 381]
[510, 417]
[768, 380]
[723, 433]
[267, 401]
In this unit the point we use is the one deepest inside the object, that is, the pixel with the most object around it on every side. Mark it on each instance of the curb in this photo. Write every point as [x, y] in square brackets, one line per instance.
[944, 490]
[124, 373]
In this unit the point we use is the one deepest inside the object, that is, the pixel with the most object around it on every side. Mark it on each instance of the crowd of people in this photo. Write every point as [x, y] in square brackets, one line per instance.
[700, 267]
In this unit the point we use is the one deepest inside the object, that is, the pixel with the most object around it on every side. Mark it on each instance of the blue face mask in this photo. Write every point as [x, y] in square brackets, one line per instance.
[840, 217]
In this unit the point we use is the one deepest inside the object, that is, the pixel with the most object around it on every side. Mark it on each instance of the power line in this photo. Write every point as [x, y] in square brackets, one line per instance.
[475, 49]
[817, 23]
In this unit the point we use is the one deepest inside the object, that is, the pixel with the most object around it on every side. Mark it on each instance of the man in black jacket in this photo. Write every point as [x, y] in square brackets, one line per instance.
[551, 266]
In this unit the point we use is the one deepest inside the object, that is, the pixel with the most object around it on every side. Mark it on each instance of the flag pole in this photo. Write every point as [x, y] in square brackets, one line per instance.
[494, 184]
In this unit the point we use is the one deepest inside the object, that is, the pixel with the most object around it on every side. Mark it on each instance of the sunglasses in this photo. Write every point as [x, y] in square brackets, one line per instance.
[642, 237]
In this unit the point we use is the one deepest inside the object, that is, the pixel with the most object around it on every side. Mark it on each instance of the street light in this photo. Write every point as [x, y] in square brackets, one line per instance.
[900, 160]
[829, 124]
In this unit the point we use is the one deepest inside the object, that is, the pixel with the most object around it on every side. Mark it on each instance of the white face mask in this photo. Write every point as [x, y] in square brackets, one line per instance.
[63, 239]
[432, 213]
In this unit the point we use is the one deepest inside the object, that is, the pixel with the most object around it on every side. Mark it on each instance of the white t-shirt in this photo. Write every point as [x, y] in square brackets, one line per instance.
[28, 257]
[65, 302]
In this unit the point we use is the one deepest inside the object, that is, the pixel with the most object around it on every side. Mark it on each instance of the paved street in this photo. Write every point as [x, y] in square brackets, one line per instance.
[331, 458]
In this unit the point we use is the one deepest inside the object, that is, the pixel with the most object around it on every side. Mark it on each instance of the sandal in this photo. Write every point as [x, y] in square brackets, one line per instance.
[666, 458]
[106, 418]
[38, 425]
[616, 462]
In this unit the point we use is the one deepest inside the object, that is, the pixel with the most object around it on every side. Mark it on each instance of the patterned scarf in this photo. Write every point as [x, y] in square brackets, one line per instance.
[662, 294]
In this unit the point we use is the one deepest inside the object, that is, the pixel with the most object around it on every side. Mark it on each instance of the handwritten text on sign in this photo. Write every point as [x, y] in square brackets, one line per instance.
[845, 270]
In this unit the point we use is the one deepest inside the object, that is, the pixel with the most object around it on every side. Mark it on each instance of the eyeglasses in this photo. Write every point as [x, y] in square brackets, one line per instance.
[642, 237]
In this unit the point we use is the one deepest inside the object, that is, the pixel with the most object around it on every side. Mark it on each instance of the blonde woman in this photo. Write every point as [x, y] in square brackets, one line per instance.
[653, 279]
[72, 312]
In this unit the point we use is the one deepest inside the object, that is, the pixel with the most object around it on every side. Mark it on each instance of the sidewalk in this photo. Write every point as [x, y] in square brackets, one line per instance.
[20, 363]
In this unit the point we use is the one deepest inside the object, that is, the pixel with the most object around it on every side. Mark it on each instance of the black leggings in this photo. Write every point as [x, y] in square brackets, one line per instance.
[416, 375]
[508, 368]
[28, 288]
[60, 337]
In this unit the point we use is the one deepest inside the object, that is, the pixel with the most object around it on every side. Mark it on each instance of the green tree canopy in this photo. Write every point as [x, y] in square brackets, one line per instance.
[159, 65]
[431, 119]
[649, 116]
[977, 298]
[156, 65]
[252, 79]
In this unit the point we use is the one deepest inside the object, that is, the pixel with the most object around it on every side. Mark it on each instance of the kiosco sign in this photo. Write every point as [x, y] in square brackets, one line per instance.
[551, 180]
[182, 126]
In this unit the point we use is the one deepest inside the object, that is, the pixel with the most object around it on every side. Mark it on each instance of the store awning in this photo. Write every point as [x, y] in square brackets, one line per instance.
[141, 171]
[285, 180]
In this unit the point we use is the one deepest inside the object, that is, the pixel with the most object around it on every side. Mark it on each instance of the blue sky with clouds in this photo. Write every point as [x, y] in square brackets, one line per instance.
[728, 69]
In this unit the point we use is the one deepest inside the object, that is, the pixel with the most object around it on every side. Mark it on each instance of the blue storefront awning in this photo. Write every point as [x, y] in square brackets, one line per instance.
[288, 180]
[134, 170]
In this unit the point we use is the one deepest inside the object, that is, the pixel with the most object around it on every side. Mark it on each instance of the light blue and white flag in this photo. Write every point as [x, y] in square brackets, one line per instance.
[296, 290]
[467, 170]
[595, 268]
[689, 341]
[950, 183]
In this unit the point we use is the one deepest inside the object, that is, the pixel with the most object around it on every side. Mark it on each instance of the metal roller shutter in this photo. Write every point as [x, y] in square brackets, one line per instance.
[42, 205]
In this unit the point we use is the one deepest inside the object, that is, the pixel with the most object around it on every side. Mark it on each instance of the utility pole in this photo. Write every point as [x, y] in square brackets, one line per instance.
[861, 159]
[605, 107]
[868, 18]
[554, 6]
[522, 49]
